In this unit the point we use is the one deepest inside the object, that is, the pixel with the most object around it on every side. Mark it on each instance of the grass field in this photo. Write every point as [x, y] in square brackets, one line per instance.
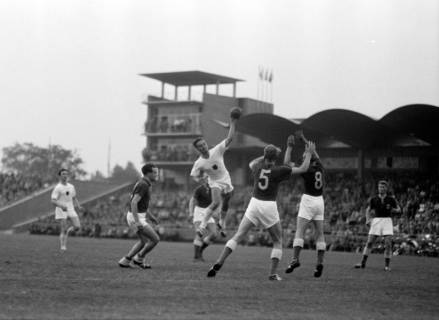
[39, 282]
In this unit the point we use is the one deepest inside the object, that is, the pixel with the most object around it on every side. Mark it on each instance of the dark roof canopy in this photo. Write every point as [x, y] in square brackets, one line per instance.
[408, 125]
[190, 78]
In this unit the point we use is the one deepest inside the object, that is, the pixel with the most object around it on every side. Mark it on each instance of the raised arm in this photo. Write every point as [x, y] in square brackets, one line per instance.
[309, 149]
[290, 144]
[300, 136]
[235, 114]
[254, 162]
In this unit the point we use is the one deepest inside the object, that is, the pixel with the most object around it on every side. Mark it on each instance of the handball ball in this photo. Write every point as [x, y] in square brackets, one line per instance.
[235, 113]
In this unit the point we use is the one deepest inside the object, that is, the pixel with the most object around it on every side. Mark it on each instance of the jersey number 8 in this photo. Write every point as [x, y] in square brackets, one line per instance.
[263, 179]
[318, 183]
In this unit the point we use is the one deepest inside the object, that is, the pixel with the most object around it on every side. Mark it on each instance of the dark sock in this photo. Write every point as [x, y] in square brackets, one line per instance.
[204, 246]
[296, 252]
[197, 252]
[364, 259]
[387, 260]
[128, 258]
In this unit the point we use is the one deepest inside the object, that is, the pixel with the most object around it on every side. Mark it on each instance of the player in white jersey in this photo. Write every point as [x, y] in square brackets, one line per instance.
[64, 199]
[211, 163]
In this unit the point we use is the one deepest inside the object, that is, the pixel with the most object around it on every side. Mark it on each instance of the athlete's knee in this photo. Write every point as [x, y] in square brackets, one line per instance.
[232, 244]
[298, 242]
[276, 252]
[321, 245]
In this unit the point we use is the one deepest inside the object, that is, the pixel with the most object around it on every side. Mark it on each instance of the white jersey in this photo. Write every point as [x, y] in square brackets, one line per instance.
[64, 194]
[213, 166]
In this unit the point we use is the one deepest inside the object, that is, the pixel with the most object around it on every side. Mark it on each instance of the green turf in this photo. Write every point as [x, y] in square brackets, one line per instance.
[39, 282]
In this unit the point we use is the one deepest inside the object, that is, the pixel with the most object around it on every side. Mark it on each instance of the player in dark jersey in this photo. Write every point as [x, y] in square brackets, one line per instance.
[198, 204]
[311, 208]
[137, 218]
[379, 217]
[262, 209]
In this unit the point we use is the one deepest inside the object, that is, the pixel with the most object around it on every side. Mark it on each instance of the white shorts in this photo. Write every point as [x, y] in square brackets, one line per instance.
[311, 208]
[381, 227]
[225, 185]
[131, 222]
[262, 213]
[200, 213]
[60, 214]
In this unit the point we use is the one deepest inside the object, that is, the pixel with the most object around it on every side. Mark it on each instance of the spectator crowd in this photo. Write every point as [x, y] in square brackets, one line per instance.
[346, 199]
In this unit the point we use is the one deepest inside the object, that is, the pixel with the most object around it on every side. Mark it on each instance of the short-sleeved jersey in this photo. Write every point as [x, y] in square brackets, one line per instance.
[143, 189]
[313, 179]
[383, 206]
[203, 196]
[64, 194]
[267, 179]
[213, 166]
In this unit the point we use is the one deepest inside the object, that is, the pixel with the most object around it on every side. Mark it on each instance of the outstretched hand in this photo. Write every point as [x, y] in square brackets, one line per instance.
[310, 147]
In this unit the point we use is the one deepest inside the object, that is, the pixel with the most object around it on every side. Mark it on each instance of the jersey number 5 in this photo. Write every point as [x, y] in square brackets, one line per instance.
[263, 179]
[318, 177]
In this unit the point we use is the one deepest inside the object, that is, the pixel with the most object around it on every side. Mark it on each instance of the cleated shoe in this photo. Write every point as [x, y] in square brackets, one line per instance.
[141, 264]
[360, 265]
[293, 265]
[318, 271]
[124, 263]
[212, 272]
[387, 269]
[274, 277]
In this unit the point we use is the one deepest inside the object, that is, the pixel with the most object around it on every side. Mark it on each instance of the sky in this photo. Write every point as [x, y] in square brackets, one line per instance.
[70, 69]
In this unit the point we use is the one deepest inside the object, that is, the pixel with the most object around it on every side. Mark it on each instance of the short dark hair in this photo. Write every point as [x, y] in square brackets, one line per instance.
[383, 182]
[271, 152]
[196, 141]
[147, 168]
[62, 170]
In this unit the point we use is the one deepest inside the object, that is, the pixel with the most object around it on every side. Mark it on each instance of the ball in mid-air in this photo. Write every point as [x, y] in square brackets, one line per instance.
[235, 113]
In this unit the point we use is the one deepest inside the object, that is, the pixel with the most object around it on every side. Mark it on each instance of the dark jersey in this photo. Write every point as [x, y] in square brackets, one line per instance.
[267, 179]
[203, 196]
[383, 206]
[143, 189]
[313, 179]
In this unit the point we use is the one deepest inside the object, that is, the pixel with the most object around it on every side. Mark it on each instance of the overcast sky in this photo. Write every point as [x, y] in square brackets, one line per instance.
[69, 69]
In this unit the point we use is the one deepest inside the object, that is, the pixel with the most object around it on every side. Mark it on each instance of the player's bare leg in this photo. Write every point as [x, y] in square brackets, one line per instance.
[297, 244]
[231, 245]
[198, 243]
[320, 247]
[387, 252]
[63, 234]
[366, 251]
[207, 240]
[153, 240]
[214, 205]
[276, 253]
[223, 213]
[76, 226]
[125, 261]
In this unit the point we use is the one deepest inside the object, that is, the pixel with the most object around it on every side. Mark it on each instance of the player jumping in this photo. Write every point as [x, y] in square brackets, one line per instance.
[311, 209]
[211, 163]
[262, 208]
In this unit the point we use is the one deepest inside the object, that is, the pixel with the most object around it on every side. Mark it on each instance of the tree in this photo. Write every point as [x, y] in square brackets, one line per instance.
[129, 173]
[29, 159]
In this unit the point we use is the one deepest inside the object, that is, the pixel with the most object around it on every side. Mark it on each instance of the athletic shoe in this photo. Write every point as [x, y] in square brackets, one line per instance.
[141, 264]
[124, 263]
[387, 269]
[293, 265]
[212, 272]
[360, 265]
[63, 248]
[318, 271]
[274, 277]
[221, 230]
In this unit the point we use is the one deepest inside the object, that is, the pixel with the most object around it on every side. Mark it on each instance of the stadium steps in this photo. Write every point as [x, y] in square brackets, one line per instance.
[38, 205]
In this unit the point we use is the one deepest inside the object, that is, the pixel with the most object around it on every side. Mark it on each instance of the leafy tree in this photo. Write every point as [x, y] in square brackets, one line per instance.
[129, 173]
[29, 159]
